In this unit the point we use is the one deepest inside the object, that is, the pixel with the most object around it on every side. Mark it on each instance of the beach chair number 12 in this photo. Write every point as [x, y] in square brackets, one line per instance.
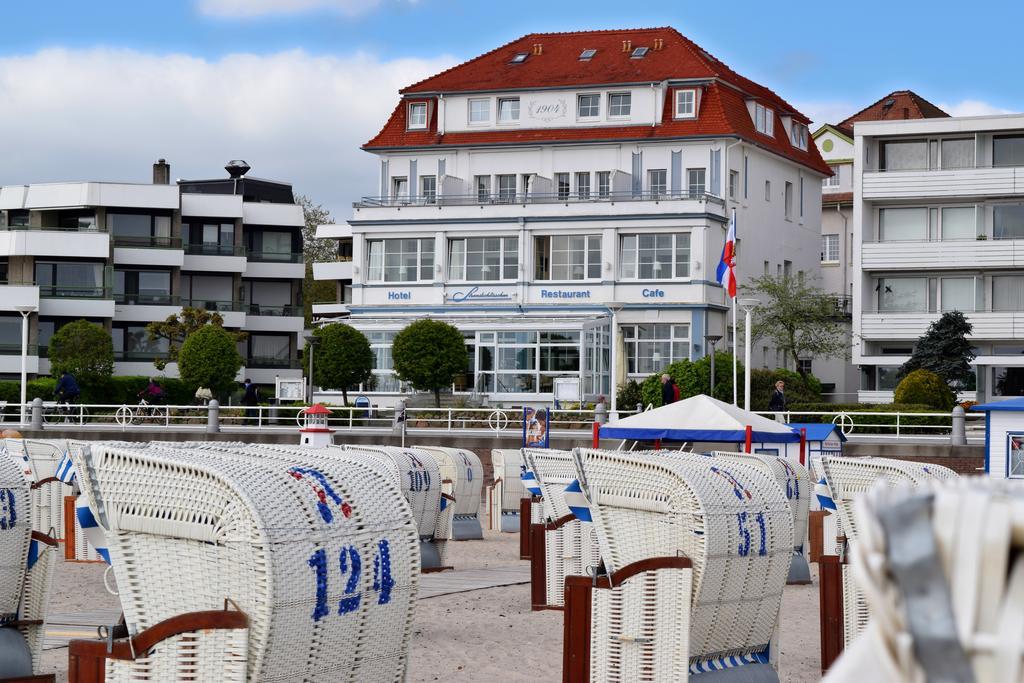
[349, 563]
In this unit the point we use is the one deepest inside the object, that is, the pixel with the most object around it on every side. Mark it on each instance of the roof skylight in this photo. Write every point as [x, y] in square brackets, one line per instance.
[639, 53]
[519, 58]
[587, 55]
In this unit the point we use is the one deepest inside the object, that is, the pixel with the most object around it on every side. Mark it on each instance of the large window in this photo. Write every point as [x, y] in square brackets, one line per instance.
[903, 225]
[1008, 293]
[588, 106]
[651, 347]
[401, 260]
[132, 342]
[655, 256]
[903, 294]
[1008, 150]
[958, 223]
[1008, 221]
[695, 182]
[139, 229]
[77, 279]
[657, 182]
[568, 257]
[958, 153]
[512, 362]
[480, 110]
[508, 110]
[274, 245]
[212, 239]
[957, 294]
[619, 104]
[142, 287]
[1009, 381]
[269, 351]
[507, 188]
[383, 366]
[904, 155]
[483, 258]
[830, 248]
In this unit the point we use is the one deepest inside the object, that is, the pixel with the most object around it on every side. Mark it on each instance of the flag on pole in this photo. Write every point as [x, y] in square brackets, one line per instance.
[726, 272]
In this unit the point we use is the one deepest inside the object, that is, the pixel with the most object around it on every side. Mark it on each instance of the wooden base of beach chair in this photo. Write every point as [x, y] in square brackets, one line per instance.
[816, 534]
[525, 535]
[830, 585]
[435, 570]
[87, 659]
[42, 678]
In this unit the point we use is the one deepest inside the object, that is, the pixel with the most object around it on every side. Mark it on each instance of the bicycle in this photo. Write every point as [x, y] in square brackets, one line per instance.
[63, 411]
[126, 415]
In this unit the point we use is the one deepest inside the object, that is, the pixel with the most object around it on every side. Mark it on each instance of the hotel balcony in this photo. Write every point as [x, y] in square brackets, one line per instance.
[263, 264]
[216, 258]
[15, 294]
[24, 240]
[330, 309]
[942, 254]
[333, 270]
[943, 183]
[538, 204]
[73, 301]
[911, 325]
[232, 312]
[264, 318]
[10, 359]
[150, 251]
[145, 307]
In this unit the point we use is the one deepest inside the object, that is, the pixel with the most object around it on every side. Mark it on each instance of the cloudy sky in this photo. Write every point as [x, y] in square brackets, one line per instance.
[99, 90]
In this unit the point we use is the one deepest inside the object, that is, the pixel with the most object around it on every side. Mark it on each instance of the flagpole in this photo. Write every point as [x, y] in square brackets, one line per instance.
[735, 354]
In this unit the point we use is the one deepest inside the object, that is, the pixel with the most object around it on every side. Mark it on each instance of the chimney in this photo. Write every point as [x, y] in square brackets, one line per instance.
[538, 48]
[627, 45]
[161, 172]
[659, 43]
[906, 112]
[237, 168]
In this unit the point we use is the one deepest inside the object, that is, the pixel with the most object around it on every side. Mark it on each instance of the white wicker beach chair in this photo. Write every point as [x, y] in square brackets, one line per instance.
[731, 520]
[955, 614]
[507, 490]
[795, 481]
[464, 468]
[570, 546]
[320, 553]
[45, 456]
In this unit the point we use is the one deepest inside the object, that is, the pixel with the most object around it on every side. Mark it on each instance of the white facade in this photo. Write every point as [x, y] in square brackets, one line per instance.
[939, 225]
[531, 249]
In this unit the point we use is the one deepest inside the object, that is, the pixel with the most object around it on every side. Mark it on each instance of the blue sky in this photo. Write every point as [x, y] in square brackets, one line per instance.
[286, 71]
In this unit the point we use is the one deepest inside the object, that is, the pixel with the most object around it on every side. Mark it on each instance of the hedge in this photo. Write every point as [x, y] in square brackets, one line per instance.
[115, 390]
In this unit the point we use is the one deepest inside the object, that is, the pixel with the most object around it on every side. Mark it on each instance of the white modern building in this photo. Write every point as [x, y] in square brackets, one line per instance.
[840, 378]
[124, 254]
[938, 221]
[563, 200]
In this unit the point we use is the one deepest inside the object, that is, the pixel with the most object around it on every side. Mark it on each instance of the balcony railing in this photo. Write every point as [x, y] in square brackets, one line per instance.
[148, 299]
[14, 349]
[537, 198]
[214, 249]
[275, 256]
[282, 311]
[843, 304]
[74, 292]
[152, 242]
[214, 306]
[53, 228]
[273, 362]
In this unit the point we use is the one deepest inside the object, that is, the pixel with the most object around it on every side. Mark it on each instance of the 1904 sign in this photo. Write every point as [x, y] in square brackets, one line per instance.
[547, 111]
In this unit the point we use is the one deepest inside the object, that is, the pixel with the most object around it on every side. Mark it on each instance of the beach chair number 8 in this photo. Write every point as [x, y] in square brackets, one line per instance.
[351, 564]
[744, 545]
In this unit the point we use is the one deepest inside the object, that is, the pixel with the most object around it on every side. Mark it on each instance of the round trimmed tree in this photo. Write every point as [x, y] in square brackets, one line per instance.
[209, 358]
[85, 350]
[429, 355]
[925, 387]
[342, 359]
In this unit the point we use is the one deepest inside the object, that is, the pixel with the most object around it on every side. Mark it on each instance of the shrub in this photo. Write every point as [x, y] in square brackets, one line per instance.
[629, 395]
[694, 377]
[343, 358]
[925, 387]
[84, 349]
[209, 358]
[429, 355]
[798, 389]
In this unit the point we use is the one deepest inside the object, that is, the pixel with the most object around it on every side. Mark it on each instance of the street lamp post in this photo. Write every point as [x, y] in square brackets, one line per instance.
[748, 306]
[26, 311]
[614, 308]
[311, 343]
[709, 342]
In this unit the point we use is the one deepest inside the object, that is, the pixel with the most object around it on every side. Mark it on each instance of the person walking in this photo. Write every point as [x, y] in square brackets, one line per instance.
[669, 390]
[777, 402]
[250, 399]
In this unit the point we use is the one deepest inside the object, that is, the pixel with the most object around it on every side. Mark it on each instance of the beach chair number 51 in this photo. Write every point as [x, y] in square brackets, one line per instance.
[744, 545]
[350, 564]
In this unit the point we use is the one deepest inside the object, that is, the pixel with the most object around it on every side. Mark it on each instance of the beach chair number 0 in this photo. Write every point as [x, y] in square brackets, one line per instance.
[350, 564]
[744, 544]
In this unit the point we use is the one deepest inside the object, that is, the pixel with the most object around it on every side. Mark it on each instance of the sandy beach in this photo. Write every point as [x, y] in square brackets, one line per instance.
[482, 635]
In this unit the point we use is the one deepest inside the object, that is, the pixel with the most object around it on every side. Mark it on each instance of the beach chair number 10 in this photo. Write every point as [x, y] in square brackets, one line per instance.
[350, 565]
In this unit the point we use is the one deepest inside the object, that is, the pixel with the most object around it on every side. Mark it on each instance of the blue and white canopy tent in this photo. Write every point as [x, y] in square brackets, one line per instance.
[700, 418]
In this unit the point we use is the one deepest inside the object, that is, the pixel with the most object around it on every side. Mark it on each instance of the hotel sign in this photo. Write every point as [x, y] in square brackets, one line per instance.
[473, 294]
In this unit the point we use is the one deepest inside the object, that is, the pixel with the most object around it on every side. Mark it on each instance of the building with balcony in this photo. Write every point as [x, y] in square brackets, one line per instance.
[122, 255]
[938, 221]
[840, 378]
[563, 200]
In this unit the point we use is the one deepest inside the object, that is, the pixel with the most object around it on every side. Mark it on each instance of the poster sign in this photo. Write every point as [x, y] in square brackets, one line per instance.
[289, 389]
[536, 424]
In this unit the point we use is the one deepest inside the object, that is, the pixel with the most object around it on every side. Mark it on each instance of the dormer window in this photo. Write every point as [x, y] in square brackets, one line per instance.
[519, 58]
[686, 104]
[587, 55]
[798, 135]
[639, 53]
[764, 119]
[418, 115]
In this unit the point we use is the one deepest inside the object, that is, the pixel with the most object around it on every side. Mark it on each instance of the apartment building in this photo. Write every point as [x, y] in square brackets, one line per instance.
[124, 254]
[563, 200]
[840, 378]
[938, 221]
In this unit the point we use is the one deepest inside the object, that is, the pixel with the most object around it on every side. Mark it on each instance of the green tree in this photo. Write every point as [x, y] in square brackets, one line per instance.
[176, 328]
[694, 377]
[944, 350]
[429, 355]
[315, 251]
[342, 358]
[924, 387]
[85, 350]
[209, 358]
[799, 318]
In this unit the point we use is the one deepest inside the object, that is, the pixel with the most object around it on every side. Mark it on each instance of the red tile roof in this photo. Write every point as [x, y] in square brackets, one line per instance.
[898, 105]
[830, 198]
[723, 107]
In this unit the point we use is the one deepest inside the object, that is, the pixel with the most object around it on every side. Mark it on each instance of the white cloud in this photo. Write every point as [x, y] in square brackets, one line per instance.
[256, 8]
[972, 108]
[105, 114]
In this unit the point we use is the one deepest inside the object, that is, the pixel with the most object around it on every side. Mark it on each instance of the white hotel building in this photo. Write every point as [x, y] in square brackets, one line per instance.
[124, 254]
[563, 200]
[938, 220]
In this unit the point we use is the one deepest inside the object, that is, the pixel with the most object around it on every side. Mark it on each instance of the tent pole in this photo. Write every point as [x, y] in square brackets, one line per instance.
[803, 446]
[749, 439]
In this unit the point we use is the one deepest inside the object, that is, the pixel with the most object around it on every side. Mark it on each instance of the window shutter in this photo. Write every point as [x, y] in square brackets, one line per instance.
[414, 188]
[384, 178]
[677, 173]
[638, 179]
[716, 172]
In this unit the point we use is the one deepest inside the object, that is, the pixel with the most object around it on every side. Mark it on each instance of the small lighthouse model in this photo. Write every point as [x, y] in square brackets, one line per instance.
[315, 431]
